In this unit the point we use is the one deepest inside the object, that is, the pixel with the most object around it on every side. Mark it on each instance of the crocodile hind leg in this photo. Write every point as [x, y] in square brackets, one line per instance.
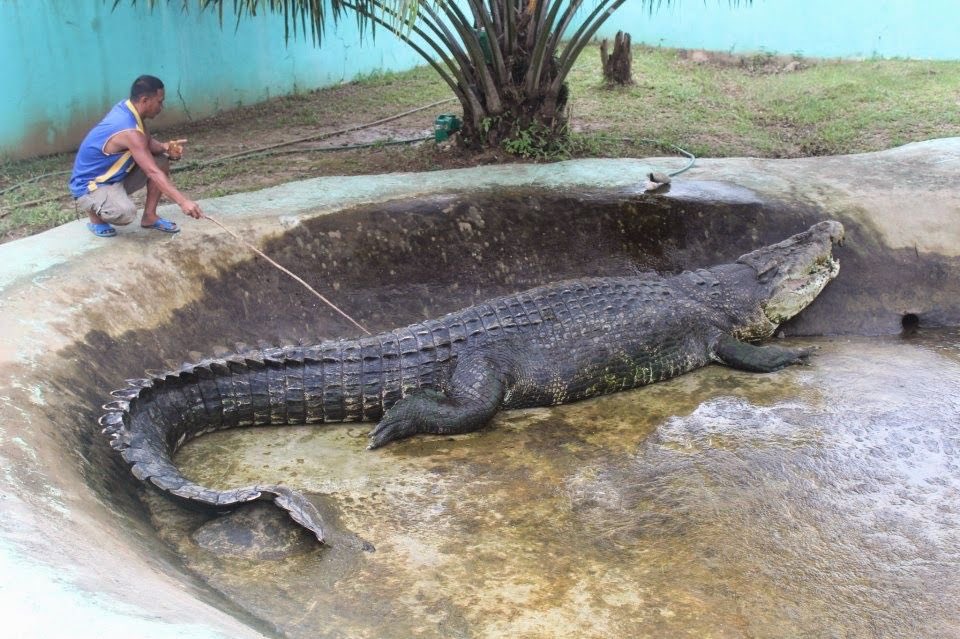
[477, 386]
[758, 359]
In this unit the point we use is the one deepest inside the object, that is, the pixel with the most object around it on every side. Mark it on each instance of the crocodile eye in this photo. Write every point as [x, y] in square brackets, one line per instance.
[768, 273]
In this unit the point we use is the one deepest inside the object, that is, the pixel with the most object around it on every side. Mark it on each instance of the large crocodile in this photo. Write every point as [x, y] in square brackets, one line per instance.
[549, 345]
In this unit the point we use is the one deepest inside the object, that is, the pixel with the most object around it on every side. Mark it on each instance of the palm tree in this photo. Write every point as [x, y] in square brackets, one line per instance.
[505, 60]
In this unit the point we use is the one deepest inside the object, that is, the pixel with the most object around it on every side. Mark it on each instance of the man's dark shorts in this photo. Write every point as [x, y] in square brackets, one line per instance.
[112, 201]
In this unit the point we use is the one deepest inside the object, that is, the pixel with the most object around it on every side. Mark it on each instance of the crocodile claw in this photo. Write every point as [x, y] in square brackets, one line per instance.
[390, 428]
[804, 354]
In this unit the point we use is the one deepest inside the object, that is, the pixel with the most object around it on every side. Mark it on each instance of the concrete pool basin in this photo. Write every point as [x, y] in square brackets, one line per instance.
[86, 551]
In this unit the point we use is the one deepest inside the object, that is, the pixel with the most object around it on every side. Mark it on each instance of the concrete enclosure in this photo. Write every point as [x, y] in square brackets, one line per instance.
[80, 314]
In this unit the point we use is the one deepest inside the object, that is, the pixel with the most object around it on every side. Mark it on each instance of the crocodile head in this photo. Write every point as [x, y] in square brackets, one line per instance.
[792, 273]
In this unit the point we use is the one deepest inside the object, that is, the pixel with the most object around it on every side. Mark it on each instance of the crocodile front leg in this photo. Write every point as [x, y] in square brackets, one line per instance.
[477, 386]
[758, 359]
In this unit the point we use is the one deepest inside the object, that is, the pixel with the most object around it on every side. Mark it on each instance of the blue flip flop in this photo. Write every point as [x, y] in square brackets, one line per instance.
[101, 230]
[163, 225]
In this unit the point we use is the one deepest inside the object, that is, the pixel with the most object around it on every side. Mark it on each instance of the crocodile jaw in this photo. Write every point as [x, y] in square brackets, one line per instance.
[792, 273]
[794, 295]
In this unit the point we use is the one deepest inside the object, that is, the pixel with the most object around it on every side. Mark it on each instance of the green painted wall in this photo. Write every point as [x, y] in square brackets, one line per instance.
[65, 62]
[816, 28]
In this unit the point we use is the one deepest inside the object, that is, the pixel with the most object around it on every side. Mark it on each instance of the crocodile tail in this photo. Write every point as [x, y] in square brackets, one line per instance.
[150, 418]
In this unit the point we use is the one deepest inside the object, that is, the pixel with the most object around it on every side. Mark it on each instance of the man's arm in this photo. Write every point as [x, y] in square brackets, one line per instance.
[156, 147]
[141, 147]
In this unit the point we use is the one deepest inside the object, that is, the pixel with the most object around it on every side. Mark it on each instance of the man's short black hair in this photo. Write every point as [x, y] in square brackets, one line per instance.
[145, 85]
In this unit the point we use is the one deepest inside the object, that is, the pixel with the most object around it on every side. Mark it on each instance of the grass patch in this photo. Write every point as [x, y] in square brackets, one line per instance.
[712, 104]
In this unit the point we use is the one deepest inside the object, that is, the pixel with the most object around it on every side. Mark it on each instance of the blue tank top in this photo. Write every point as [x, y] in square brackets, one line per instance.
[94, 167]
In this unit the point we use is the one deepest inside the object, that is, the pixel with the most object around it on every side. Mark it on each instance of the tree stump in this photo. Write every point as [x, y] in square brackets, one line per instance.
[616, 66]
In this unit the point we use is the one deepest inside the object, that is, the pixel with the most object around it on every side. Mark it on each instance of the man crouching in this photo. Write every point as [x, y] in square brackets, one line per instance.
[118, 157]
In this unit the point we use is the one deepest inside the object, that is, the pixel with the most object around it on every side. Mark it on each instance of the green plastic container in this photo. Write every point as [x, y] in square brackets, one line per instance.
[445, 126]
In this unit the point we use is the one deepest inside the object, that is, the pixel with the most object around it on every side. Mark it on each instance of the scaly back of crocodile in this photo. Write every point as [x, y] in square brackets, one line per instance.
[334, 381]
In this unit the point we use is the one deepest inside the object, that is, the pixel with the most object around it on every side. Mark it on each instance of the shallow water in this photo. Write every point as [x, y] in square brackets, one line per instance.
[822, 500]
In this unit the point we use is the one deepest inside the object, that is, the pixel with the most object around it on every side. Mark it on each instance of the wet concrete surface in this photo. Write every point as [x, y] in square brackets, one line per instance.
[819, 501]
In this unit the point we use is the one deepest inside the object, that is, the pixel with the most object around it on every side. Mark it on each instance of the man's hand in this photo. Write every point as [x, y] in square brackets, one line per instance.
[174, 148]
[142, 148]
[191, 208]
